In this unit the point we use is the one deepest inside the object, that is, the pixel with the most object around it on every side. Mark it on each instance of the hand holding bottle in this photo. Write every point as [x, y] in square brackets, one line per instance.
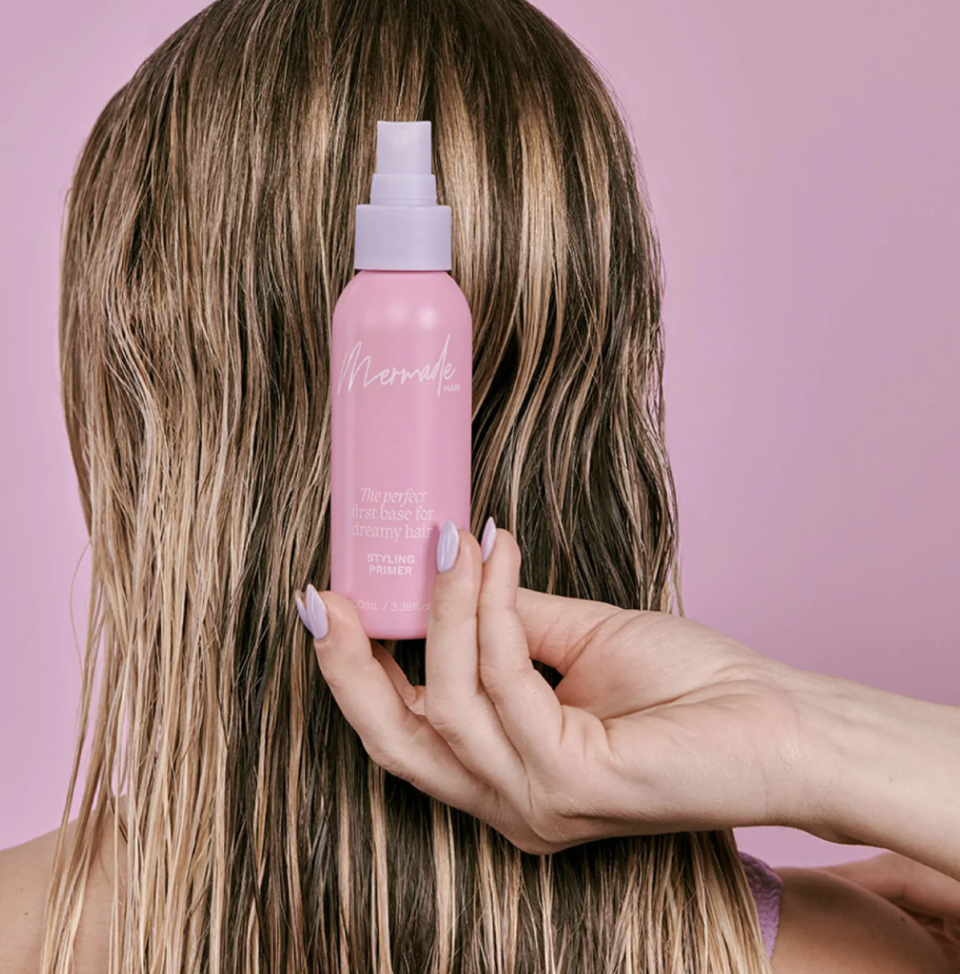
[654, 727]
[659, 723]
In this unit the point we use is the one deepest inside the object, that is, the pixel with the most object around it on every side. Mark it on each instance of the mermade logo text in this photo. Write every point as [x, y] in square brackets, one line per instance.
[354, 365]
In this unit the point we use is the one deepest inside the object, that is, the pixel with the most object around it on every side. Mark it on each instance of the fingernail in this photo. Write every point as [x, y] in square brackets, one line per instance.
[489, 536]
[313, 614]
[447, 546]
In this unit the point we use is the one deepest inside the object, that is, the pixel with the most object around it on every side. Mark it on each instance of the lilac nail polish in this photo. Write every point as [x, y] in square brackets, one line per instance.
[489, 536]
[447, 546]
[313, 614]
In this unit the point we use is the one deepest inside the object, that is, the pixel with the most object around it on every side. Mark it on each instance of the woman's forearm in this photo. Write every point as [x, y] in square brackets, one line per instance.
[881, 769]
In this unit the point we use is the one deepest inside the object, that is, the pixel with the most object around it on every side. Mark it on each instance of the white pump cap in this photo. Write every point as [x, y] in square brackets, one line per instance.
[402, 227]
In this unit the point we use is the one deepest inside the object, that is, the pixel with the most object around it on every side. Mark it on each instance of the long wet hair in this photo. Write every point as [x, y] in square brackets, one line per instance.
[208, 232]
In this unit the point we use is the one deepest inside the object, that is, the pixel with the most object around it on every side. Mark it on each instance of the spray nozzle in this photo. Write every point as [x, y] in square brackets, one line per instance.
[402, 227]
[404, 148]
[404, 163]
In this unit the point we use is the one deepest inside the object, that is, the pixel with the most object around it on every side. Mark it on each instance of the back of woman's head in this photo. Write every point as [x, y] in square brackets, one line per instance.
[209, 232]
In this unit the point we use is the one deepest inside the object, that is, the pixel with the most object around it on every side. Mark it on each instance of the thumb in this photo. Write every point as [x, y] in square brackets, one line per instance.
[339, 640]
[370, 688]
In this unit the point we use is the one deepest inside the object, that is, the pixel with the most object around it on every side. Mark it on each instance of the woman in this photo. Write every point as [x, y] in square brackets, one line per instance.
[209, 233]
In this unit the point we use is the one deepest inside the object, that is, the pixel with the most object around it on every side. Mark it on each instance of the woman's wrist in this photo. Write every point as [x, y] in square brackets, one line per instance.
[874, 768]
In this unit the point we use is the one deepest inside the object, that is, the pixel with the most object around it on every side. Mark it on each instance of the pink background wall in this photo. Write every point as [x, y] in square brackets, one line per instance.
[803, 162]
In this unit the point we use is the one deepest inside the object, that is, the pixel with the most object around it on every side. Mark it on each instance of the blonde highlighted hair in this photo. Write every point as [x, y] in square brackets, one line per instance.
[208, 233]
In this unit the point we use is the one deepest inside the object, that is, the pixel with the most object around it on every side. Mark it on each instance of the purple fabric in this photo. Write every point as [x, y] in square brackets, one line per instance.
[766, 887]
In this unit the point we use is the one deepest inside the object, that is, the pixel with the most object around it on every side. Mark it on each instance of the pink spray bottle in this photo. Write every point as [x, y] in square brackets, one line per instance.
[402, 394]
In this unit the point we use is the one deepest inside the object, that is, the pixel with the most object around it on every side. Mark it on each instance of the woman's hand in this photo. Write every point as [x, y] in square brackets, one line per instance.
[659, 723]
[929, 896]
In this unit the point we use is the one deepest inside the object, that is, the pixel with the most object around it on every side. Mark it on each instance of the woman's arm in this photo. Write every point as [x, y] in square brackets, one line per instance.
[659, 724]
[880, 769]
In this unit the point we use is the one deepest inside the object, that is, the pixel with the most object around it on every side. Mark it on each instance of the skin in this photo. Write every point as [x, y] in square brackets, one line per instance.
[830, 924]
[25, 871]
[659, 724]
[928, 896]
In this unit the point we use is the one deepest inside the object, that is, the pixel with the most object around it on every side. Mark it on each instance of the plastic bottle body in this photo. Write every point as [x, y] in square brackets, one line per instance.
[401, 444]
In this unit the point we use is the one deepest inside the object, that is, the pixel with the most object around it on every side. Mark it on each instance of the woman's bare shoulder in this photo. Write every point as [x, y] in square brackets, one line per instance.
[25, 872]
[829, 925]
